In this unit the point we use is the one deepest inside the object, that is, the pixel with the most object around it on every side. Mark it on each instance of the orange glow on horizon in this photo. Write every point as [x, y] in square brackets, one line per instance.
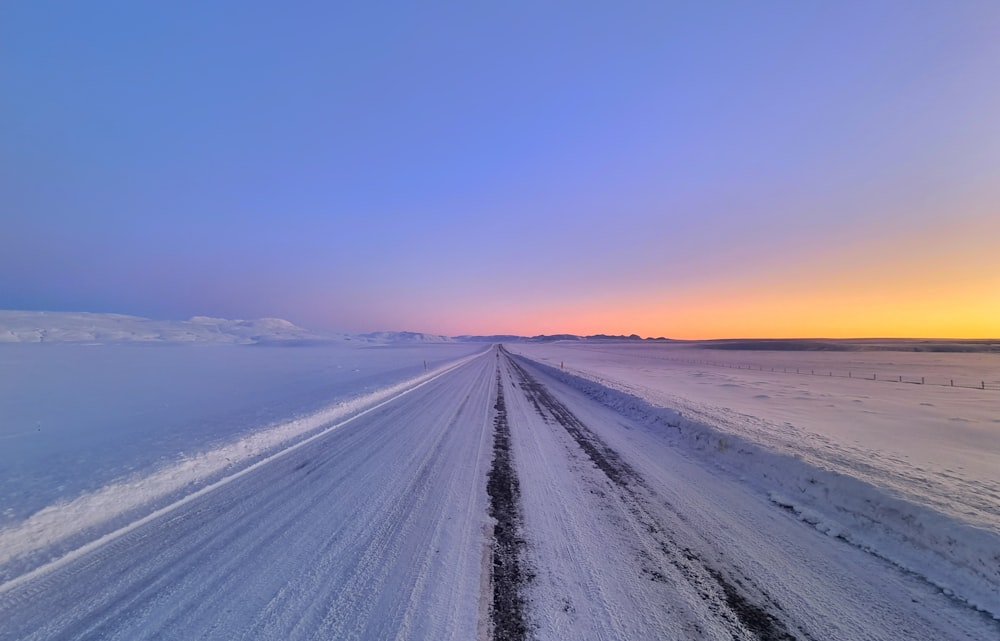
[803, 318]
[931, 279]
[864, 304]
[938, 282]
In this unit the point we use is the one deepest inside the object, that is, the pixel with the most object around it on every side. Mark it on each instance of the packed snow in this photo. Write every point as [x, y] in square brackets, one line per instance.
[630, 534]
[372, 527]
[904, 471]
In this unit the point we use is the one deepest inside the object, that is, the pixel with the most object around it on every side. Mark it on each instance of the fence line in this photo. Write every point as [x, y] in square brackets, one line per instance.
[863, 375]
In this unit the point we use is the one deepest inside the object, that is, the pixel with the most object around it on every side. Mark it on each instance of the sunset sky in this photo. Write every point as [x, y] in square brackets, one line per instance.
[691, 170]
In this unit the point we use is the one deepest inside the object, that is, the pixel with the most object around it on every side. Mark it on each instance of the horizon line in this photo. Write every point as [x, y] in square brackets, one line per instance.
[538, 335]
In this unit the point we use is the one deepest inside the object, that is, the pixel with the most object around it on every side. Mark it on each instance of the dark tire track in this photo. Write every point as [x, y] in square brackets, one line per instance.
[508, 572]
[720, 593]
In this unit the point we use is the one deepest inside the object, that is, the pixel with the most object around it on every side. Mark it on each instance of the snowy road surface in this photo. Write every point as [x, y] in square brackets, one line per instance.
[374, 531]
[382, 529]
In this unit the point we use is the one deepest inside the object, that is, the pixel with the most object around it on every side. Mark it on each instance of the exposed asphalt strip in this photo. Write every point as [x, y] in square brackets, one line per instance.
[722, 595]
[508, 571]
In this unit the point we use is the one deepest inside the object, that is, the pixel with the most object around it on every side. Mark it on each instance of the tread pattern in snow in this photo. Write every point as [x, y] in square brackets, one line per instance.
[756, 620]
[507, 613]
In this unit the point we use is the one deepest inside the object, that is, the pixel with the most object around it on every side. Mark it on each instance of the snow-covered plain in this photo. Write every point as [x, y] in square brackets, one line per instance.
[343, 489]
[907, 472]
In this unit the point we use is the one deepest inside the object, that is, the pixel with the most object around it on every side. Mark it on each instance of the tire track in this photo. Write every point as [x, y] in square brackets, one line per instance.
[723, 596]
[508, 572]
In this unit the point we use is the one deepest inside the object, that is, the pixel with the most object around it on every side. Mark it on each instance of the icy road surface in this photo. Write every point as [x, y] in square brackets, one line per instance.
[490, 501]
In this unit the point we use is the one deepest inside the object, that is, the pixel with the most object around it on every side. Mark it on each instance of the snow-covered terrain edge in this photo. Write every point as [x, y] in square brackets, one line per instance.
[85, 327]
[18, 326]
[960, 559]
[60, 531]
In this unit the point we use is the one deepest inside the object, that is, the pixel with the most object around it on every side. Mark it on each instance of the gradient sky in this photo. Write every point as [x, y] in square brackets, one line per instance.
[694, 170]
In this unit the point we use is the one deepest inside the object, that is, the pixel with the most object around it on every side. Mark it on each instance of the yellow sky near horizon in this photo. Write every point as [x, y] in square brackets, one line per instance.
[939, 281]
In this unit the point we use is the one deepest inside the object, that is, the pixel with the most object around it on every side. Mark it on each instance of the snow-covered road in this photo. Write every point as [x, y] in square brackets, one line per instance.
[381, 529]
[628, 538]
[374, 531]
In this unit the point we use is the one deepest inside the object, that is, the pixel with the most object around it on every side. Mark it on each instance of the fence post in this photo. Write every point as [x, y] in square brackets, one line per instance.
[953, 382]
[922, 380]
[875, 376]
[849, 374]
[983, 383]
[900, 379]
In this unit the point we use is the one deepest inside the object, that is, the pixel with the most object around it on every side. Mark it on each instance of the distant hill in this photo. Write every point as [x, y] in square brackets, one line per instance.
[84, 327]
[402, 337]
[493, 338]
[547, 338]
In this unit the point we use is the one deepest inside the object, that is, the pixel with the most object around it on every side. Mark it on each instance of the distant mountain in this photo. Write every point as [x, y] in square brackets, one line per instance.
[84, 327]
[493, 338]
[546, 338]
[402, 337]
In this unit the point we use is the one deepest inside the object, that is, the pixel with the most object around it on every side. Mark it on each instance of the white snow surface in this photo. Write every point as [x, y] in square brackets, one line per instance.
[906, 472]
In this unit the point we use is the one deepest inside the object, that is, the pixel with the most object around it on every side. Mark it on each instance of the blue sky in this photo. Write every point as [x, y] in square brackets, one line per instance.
[505, 167]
